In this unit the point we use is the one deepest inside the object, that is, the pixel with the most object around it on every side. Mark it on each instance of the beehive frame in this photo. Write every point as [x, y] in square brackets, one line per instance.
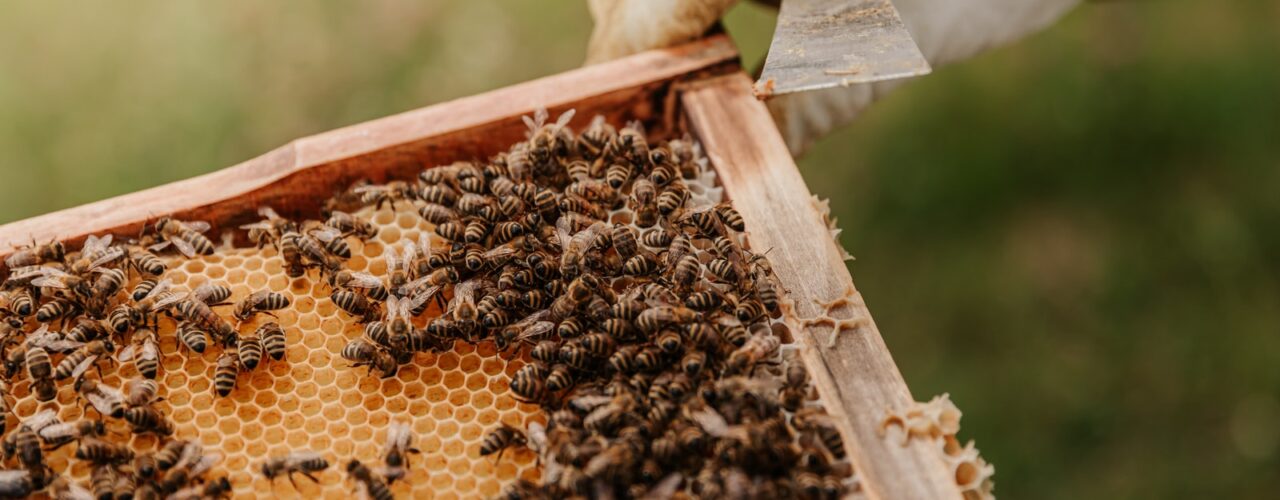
[698, 87]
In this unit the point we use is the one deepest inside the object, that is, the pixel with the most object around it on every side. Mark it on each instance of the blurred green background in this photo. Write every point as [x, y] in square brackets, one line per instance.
[1076, 236]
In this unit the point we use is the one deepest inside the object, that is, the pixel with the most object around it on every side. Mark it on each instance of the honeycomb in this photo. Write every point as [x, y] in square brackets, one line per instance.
[313, 399]
[938, 420]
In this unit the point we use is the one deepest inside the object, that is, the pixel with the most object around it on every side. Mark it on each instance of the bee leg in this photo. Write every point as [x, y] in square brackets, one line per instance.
[311, 477]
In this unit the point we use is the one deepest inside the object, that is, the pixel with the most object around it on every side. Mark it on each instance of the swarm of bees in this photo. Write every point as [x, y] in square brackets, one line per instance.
[649, 322]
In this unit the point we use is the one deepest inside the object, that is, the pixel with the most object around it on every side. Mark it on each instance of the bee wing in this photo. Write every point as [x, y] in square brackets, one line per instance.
[530, 123]
[711, 421]
[198, 226]
[149, 350]
[44, 418]
[393, 260]
[204, 291]
[366, 189]
[84, 367]
[72, 491]
[424, 295]
[564, 230]
[258, 225]
[665, 489]
[538, 329]
[126, 354]
[182, 246]
[407, 305]
[424, 242]
[590, 402]
[537, 434]
[564, 119]
[268, 212]
[26, 273]
[159, 246]
[52, 277]
[499, 252]
[59, 344]
[110, 255]
[410, 253]
[531, 318]
[636, 126]
[94, 244]
[398, 436]
[364, 280]
[393, 308]
[297, 458]
[55, 431]
[169, 299]
[204, 463]
[326, 234]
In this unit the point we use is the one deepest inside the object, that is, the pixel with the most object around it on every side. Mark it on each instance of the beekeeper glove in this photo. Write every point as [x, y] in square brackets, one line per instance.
[945, 30]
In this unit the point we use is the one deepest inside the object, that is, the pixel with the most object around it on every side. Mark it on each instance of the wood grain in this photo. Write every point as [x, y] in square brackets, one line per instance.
[855, 376]
[297, 176]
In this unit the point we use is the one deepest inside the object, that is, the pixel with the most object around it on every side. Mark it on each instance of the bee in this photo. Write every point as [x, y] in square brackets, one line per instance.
[273, 340]
[749, 310]
[300, 462]
[388, 193]
[439, 194]
[290, 248]
[225, 371]
[608, 416]
[559, 379]
[332, 241]
[86, 330]
[672, 198]
[371, 286]
[399, 314]
[529, 383]
[643, 194]
[353, 303]
[192, 336]
[147, 419]
[693, 362]
[351, 225]
[57, 308]
[722, 270]
[546, 140]
[730, 217]
[755, 350]
[576, 245]
[631, 142]
[86, 354]
[189, 467]
[260, 301]
[498, 440]
[374, 486]
[597, 136]
[618, 174]
[141, 391]
[362, 353]
[430, 284]
[249, 350]
[185, 236]
[144, 352]
[218, 488]
[669, 340]
[654, 318]
[815, 420]
[40, 370]
[398, 265]
[20, 302]
[200, 314]
[36, 254]
[107, 400]
[399, 445]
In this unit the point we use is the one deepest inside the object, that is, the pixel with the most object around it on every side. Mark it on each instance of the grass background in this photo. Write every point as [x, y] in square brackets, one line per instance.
[1076, 236]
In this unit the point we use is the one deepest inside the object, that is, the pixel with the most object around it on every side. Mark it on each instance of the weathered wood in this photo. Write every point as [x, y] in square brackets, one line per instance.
[855, 375]
[297, 176]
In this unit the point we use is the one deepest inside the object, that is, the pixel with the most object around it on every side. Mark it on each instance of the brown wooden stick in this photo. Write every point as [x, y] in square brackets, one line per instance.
[850, 365]
[296, 177]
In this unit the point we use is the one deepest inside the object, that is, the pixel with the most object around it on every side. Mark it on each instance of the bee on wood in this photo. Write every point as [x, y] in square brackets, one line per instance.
[388, 193]
[351, 225]
[260, 301]
[498, 440]
[374, 486]
[306, 463]
[362, 353]
[36, 254]
[225, 371]
[185, 236]
[107, 400]
[273, 340]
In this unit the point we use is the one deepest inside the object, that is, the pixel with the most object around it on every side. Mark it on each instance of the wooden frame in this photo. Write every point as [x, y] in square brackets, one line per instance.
[699, 83]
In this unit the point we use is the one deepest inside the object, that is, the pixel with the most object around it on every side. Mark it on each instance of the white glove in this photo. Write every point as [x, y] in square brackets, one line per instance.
[945, 30]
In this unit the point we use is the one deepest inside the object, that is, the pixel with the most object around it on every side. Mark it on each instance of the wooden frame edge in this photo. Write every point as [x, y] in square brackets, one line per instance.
[850, 365]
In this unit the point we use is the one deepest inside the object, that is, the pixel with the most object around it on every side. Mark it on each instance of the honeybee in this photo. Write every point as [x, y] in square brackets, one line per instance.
[200, 314]
[399, 445]
[218, 488]
[185, 236]
[249, 349]
[374, 486]
[269, 230]
[107, 400]
[332, 241]
[354, 304]
[546, 140]
[36, 254]
[273, 340]
[140, 391]
[82, 358]
[144, 261]
[597, 136]
[576, 245]
[260, 301]
[528, 382]
[147, 419]
[301, 462]
[19, 302]
[498, 440]
[362, 353]
[352, 225]
[755, 350]
[40, 369]
[654, 318]
[156, 300]
[387, 193]
[225, 372]
[398, 272]
[144, 352]
[399, 314]
[190, 466]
